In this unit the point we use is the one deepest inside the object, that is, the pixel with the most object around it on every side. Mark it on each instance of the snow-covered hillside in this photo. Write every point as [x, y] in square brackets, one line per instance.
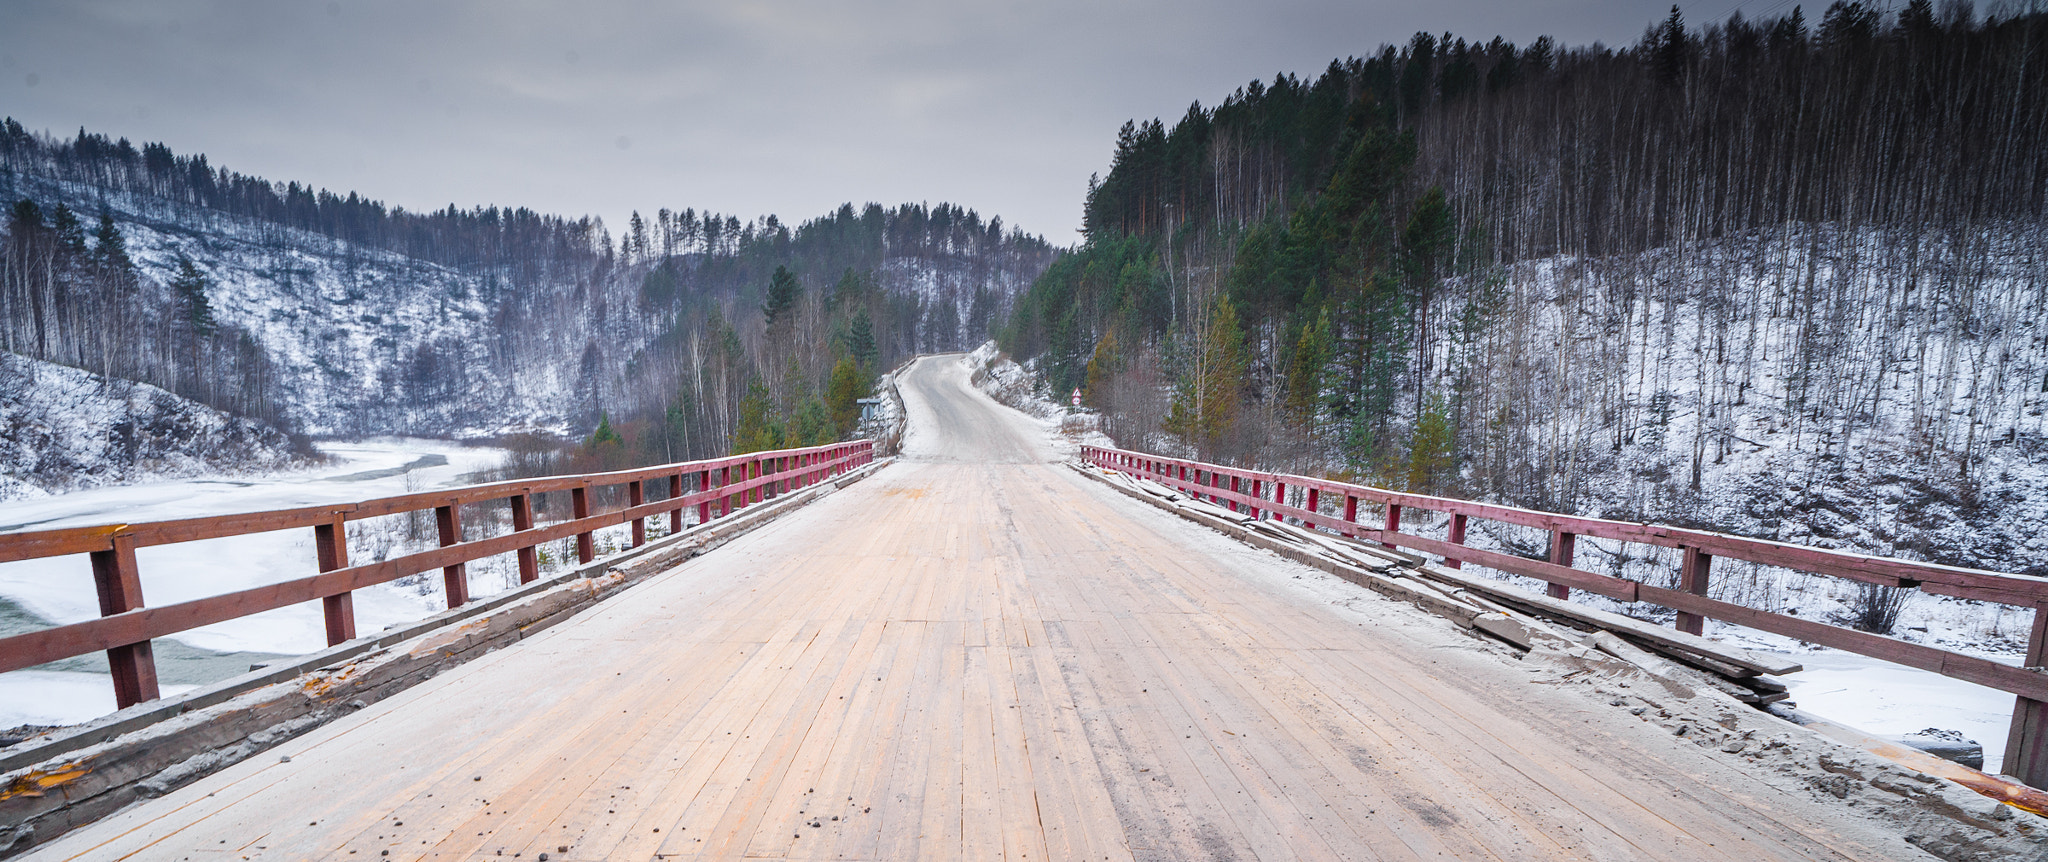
[365, 341]
[1880, 391]
[63, 429]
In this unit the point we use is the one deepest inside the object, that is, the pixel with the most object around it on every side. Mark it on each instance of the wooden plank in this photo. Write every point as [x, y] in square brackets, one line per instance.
[1759, 662]
[1614, 588]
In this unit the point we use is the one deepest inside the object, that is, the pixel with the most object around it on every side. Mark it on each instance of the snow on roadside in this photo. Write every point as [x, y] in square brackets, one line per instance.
[1017, 387]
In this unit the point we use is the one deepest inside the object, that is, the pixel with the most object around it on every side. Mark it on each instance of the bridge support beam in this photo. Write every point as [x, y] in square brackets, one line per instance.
[330, 545]
[675, 515]
[579, 508]
[522, 519]
[2026, 745]
[455, 578]
[119, 582]
[1692, 578]
[1561, 544]
[636, 494]
[1457, 538]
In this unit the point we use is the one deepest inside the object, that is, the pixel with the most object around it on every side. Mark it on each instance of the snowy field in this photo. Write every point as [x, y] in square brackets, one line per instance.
[59, 590]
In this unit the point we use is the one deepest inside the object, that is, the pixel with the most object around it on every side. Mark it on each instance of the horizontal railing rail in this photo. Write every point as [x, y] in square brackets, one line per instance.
[127, 625]
[1334, 506]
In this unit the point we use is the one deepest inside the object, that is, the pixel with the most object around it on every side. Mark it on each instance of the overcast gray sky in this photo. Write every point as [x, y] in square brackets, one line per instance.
[739, 107]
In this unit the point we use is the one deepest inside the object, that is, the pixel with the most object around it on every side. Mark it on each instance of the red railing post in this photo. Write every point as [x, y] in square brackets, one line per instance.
[636, 495]
[119, 582]
[454, 578]
[1393, 522]
[1313, 504]
[2026, 744]
[704, 507]
[725, 503]
[579, 508]
[1279, 500]
[522, 519]
[330, 548]
[1692, 578]
[675, 515]
[1457, 538]
[1351, 513]
[1233, 490]
[1561, 544]
[1256, 495]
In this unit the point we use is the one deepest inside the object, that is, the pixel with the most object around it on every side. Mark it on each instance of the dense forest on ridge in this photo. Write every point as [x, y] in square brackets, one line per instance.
[1628, 280]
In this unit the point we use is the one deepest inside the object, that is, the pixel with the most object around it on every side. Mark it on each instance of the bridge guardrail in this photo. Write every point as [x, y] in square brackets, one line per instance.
[127, 625]
[1334, 506]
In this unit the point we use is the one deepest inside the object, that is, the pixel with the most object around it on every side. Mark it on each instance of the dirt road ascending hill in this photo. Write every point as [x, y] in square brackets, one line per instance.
[979, 654]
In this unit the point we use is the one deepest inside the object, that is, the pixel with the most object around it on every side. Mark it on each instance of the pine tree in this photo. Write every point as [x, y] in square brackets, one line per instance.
[1673, 47]
[1206, 401]
[783, 291]
[190, 285]
[842, 395]
[758, 429]
[860, 341]
[1105, 363]
[1305, 370]
[605, 438]
[1432, 449]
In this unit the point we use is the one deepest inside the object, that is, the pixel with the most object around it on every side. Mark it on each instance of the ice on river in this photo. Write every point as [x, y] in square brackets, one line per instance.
[60, 589]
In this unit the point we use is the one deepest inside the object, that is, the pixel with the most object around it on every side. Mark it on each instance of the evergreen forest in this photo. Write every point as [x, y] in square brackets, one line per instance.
[1589, 278]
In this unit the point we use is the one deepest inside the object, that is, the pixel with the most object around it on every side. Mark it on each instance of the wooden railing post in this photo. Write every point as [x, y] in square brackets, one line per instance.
[1561, 544]
[636, 494]
[724, 500]
[1313, 504]
[522, 519]
[704, 507]
[1255, 494]
[330, 548]
[1279, 500]
[1351, 513]
[1692, 578]
[2026, 744]
[675, 515]
[454, 578]
[1393, 521]
[1234, 490]
[119, 582]
[1457, 538]
[579, 508]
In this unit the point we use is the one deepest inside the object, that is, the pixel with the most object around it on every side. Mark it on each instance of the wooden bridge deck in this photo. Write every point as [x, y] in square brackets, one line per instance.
[965, 658]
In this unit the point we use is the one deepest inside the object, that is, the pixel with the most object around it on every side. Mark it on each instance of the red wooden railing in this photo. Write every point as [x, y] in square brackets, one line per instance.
[1334, 506]
[127, 625]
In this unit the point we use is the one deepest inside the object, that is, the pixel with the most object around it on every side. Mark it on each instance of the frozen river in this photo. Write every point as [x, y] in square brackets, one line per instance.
[37, 593]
